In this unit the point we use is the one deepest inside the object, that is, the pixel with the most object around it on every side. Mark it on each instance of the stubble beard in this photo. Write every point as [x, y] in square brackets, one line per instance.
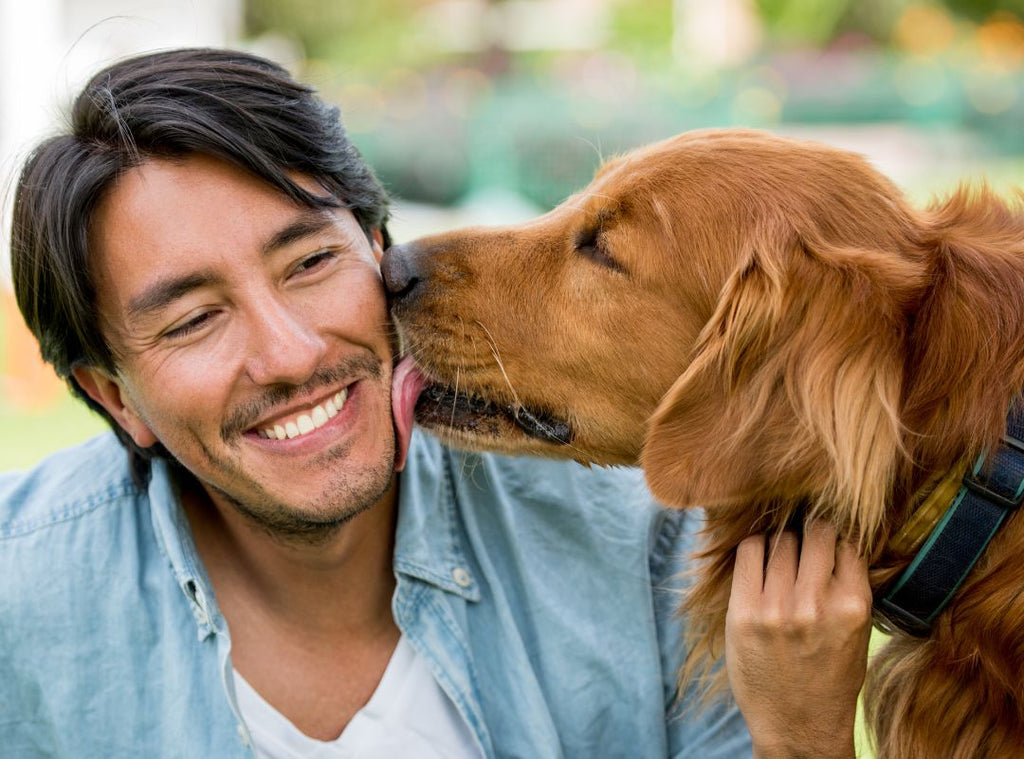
[317, 521]
[321, 519]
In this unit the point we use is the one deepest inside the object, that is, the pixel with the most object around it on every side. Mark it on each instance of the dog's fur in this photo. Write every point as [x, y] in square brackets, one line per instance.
[769, 329]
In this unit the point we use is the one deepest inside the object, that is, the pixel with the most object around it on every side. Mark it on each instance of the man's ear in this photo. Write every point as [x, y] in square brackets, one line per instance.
[108, 392]
[378, 244]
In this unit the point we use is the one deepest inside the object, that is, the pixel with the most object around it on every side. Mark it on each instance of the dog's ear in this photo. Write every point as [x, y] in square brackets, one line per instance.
[793, 389]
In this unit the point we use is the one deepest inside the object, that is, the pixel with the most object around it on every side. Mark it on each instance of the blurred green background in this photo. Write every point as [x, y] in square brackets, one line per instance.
[445, 110]
[475, 111]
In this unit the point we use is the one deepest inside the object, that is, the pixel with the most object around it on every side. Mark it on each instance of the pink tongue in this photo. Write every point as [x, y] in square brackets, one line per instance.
[406, 384]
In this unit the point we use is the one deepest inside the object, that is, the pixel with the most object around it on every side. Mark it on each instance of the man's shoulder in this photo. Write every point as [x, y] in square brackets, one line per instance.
[68, 526]
[64, 486]
[545, 493]
[543, 481]
[535, 478]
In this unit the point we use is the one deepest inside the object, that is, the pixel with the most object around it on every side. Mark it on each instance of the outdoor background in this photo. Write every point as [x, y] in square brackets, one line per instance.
[485, 111]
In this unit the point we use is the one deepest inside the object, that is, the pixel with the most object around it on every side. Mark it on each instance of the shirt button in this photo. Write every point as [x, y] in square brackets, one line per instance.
[462, 577]
[243, 734]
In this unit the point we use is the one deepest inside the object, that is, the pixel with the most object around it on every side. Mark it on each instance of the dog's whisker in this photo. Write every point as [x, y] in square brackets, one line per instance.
[596, 148]
[498, 361]
[520, 408]
[592, 194]
[578, 204]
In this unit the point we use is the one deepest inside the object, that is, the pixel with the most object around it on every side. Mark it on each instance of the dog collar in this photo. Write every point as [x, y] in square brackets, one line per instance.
[986, 497]
[921, 523]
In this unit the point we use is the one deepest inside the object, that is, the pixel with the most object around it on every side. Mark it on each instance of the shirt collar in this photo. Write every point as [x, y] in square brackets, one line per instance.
[174, 536]
[429, 543]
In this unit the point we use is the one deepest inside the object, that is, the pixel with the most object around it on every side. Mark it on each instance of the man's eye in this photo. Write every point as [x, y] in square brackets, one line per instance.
[312, 262]
[190, 326]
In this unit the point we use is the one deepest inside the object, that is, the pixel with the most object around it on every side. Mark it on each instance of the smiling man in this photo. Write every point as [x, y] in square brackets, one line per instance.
[236, 569]
[252, 339]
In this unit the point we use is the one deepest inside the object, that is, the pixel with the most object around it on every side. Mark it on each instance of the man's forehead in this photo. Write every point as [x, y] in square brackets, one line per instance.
[175, 217]
[168, 200]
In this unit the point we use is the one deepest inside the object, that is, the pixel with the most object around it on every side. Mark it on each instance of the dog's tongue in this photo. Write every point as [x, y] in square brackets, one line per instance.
[406, 385]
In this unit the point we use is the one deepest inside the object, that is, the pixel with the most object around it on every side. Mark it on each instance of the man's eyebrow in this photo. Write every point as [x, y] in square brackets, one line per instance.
[164, 292]
[310, 223]
[161, 294]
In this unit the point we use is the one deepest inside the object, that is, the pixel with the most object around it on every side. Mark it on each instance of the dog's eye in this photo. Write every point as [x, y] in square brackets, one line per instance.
[590, 246]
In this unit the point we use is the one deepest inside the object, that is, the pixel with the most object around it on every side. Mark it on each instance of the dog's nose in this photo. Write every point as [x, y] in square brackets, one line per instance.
[401, 270]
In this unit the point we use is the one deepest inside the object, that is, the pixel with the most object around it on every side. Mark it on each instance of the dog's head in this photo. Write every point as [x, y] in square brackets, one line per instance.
[726, 308]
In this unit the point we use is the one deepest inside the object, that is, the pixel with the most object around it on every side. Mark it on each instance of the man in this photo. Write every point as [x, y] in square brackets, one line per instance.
[198, 258]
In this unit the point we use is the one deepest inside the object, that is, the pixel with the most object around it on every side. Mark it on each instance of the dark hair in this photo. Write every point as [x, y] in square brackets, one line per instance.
[227, 104]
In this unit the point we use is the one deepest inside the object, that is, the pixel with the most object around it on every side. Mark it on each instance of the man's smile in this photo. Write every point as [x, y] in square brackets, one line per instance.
[285, 413]
[292, 425]
[312, 421]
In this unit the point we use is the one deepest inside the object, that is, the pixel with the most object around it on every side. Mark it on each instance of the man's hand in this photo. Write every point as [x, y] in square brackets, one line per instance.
[796, 641]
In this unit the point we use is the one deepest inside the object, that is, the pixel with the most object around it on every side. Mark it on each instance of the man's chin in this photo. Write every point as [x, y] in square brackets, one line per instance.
[324, 515]
[296, 527]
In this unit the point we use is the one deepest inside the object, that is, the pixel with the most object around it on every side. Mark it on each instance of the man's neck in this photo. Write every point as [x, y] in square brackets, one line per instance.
[340, 585]
[311, 625]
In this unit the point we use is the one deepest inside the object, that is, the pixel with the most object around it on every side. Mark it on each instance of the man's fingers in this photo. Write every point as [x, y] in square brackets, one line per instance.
[748, 572]
[780, 574]
[818, 553]
[851, 566]
[799, 577]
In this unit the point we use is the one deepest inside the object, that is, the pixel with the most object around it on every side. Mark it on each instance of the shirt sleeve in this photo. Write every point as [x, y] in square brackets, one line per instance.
[696, 730]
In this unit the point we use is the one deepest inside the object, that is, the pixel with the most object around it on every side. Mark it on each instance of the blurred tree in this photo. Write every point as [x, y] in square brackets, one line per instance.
[365, 35]
[803, 21]
[812, 22]
[979, 10]
[643, 30]
[353, 35]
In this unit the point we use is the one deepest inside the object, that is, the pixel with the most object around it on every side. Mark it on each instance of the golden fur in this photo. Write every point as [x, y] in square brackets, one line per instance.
[769, 330]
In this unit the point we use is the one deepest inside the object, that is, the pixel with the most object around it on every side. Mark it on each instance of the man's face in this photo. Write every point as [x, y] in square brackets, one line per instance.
[252, 339]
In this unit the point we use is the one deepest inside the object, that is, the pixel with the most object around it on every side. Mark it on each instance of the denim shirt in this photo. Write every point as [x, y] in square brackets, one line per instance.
[541, 594]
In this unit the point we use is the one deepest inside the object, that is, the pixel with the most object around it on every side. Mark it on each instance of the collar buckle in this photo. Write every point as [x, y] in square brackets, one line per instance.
[1009, 499]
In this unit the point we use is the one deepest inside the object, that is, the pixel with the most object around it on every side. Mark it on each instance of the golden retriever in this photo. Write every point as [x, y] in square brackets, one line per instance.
[769, 329]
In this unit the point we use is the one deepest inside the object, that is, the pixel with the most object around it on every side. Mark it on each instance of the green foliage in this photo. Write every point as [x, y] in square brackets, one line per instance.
[351, 35]
[802, 20]
[817, 23]
[812, 22]
[643, 30]
[979, 10]
[367, 37]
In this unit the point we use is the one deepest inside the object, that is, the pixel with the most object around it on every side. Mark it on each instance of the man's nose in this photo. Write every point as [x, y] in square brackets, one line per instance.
[284, 347]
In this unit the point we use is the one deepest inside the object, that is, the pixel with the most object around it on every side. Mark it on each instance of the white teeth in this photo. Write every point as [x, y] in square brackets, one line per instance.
[319, 416]
[306, 423]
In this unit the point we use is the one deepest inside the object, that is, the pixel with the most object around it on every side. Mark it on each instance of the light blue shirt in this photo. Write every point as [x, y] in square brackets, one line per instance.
[541, 594]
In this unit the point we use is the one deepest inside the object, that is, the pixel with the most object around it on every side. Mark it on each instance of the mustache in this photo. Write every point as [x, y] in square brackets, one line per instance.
[246, 414]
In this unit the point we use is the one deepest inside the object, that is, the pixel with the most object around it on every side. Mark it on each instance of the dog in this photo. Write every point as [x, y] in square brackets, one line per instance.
[769, 330]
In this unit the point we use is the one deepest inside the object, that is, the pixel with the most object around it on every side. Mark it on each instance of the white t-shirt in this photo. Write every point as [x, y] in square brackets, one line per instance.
[408, 715]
